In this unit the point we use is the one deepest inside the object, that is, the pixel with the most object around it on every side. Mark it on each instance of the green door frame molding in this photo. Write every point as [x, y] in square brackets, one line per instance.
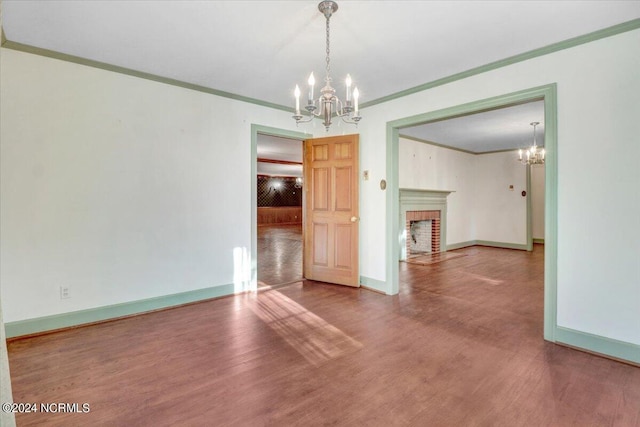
[548, 93]
[262, 130]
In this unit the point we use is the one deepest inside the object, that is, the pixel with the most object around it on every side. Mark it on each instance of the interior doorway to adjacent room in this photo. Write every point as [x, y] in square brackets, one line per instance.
[547, 94]
[471, 160]
[279, 199]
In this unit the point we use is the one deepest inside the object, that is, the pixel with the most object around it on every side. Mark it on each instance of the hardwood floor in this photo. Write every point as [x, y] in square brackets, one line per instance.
[279, 254]
[461, 345]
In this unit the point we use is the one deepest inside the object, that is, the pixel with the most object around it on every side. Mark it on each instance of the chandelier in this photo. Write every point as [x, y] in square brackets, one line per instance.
[328, 103]
[534, 155]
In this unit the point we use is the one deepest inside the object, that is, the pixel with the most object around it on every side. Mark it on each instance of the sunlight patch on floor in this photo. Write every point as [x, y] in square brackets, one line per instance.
[309, 334]
[433, 258]
[487, 280]
[242, 272]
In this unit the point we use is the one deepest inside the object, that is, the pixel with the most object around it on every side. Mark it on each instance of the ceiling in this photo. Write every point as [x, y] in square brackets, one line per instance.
[261, 49]
[283, 149]
[496, 130]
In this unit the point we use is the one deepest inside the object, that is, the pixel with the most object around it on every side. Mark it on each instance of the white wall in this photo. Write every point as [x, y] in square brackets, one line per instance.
[537, 201]
[500, 214]
[429, 167]
[482, 206]
[117, 187]
[598, 88]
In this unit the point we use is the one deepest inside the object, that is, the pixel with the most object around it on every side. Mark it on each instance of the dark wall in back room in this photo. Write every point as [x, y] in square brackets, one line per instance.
[278, 191]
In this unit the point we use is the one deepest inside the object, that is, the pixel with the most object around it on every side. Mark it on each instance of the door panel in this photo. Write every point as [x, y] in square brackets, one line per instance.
[343, 151]
[331, 212]
[343, 188]
[320, 183]
[320, 249]
[343, 246]
[320, 152]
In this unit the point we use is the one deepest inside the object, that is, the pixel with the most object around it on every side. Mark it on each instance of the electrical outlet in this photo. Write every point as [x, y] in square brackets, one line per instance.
[64, 292]
[365, 175]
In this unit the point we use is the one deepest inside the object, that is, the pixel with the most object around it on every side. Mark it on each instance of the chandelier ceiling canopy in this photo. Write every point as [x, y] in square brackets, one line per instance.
[328, 104]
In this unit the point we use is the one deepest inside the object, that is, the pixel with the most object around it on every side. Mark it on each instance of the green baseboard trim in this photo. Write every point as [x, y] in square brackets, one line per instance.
[373, 284]
[598, 344]
[461, 245]
[540, 241]
[502, 245]
[98, 314]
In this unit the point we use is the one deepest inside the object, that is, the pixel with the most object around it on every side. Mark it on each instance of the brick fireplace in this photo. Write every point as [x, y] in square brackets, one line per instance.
[423, 221]
[423, 232]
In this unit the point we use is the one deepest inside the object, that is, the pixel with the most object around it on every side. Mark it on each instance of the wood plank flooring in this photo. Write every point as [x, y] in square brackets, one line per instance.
[279, 254]
[461, 345]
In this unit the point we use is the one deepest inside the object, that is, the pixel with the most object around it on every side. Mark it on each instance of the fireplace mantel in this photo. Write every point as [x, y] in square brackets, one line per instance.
[421, 196]
[413, 199]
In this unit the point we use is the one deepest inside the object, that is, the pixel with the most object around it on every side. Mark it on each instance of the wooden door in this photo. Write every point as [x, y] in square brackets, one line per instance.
[331, 210]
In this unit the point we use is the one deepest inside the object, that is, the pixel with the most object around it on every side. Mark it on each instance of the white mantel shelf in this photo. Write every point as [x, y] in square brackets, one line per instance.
[420, 196]
[420, 190]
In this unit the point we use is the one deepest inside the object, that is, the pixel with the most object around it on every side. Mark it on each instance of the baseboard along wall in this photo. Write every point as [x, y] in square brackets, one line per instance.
[52, 323]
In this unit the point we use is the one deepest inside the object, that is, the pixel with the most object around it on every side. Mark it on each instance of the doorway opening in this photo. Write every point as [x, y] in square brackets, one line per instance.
[277, 206]
[279, 195]
[546, 94]
[475, 157]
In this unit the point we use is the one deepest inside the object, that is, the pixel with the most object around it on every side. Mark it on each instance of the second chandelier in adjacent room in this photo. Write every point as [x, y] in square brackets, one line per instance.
[533, 155]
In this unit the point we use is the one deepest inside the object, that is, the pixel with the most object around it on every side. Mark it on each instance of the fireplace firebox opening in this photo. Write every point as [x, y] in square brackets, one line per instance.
[423, 232]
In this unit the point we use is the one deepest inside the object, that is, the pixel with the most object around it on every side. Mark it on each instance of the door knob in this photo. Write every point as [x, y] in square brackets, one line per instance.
[354, 219]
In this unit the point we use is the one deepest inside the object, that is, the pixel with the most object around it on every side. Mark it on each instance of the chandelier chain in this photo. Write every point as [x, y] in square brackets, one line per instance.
[328, 79]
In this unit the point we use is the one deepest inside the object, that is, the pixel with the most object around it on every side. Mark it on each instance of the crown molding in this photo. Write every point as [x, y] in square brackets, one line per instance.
[134, 73]
[555, 47]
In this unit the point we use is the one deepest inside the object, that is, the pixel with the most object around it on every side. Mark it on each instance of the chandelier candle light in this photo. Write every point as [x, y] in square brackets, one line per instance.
[532, 156]
[328, 103]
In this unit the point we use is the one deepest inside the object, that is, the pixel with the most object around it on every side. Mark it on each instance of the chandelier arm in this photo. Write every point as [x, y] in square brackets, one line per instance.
[339, 107]
[312, 112]
[299, 118]
[351, 120]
